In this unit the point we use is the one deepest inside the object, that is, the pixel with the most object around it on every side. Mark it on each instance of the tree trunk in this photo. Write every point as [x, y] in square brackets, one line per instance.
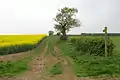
[64, 36]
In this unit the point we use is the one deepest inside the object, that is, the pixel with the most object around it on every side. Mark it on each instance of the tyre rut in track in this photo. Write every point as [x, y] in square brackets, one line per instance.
[66, 67]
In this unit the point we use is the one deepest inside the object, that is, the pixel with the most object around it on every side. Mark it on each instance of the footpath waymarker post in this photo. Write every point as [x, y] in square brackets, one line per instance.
[105, 30]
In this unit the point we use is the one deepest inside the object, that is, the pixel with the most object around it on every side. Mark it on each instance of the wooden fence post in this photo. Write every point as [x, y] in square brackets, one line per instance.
[105, 30]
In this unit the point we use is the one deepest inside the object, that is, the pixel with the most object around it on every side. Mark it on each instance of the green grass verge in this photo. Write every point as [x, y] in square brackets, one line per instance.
[14, 67]
[50, 43]
[56, 69]
[95, 66]
[53, 53]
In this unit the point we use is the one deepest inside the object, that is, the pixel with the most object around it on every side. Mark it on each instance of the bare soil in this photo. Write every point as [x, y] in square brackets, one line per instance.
[68, 73]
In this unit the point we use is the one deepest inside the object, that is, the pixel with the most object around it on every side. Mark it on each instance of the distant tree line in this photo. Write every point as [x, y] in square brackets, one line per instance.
[100, 34]
[51, 33]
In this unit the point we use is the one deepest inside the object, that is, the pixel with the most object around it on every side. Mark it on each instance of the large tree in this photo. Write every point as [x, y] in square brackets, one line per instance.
[65, 20]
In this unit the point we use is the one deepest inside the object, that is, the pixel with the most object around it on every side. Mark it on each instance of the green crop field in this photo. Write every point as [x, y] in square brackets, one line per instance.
[116, 41]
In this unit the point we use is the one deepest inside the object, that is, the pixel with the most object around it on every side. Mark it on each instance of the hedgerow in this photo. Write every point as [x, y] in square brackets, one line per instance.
[92, 46]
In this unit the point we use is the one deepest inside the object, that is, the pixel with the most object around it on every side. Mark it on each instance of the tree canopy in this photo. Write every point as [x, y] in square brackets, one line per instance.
[65, 20]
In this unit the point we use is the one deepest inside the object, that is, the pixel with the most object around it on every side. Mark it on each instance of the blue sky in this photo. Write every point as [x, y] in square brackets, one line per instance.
[36, 16]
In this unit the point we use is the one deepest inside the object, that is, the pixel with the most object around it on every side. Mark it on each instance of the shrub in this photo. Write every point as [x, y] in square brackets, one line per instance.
[92, 46]
[51, 33]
